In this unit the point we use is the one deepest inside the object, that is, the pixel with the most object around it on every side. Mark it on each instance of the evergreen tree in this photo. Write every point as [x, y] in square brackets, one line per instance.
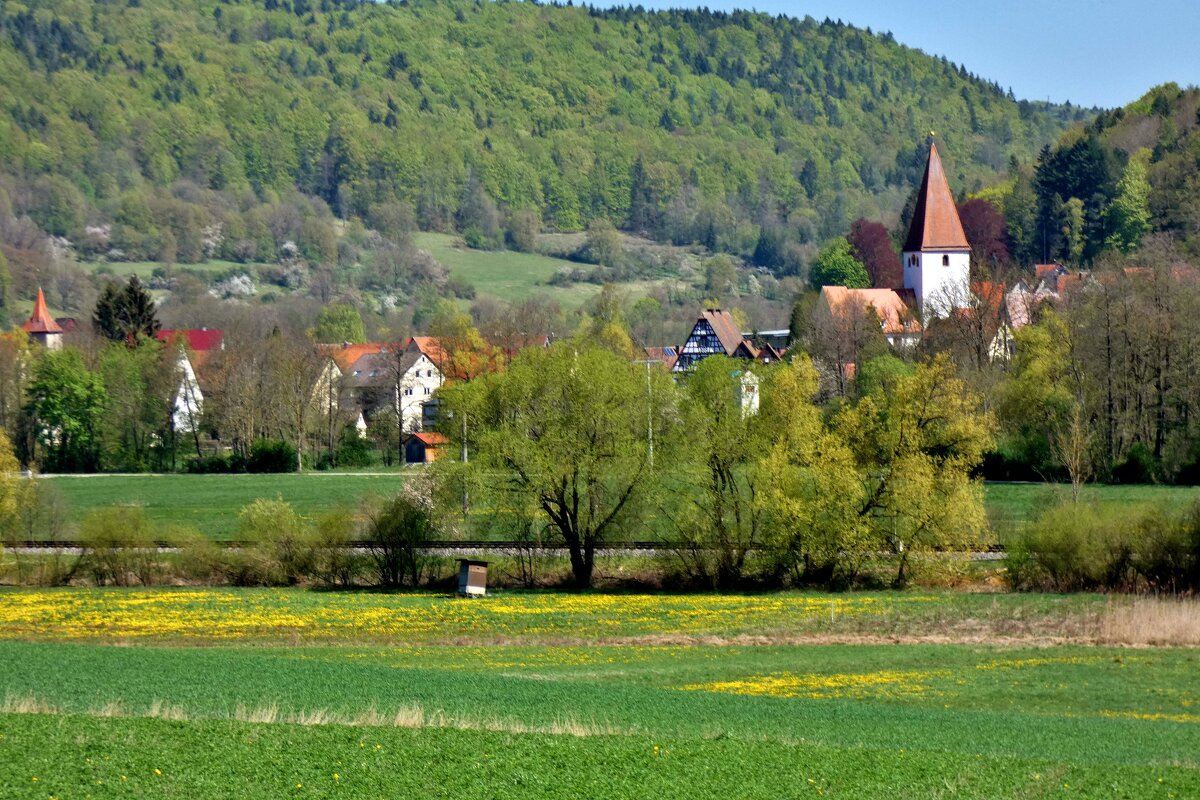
[125, 314]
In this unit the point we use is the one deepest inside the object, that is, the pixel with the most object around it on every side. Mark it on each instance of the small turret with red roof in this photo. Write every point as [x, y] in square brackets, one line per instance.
[42, 327]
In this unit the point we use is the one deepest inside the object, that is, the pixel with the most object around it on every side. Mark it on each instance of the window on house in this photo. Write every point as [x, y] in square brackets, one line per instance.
[945, 261]
[428, 390]
[408, 392]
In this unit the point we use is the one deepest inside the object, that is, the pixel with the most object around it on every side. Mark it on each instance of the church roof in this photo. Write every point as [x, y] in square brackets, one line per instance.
[41, 321]
[935, 223]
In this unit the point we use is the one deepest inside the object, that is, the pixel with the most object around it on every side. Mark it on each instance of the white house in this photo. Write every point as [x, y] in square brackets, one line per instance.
[401, 377]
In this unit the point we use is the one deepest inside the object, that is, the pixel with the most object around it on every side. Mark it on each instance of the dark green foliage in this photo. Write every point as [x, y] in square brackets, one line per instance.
[376, 107]
[271, 455]
[125, 314]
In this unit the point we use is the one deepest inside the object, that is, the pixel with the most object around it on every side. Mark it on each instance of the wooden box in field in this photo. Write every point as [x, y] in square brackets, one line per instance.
[472, 578]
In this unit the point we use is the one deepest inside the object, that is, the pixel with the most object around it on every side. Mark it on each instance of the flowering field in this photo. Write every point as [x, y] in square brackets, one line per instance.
[231, 615]
[279, 693]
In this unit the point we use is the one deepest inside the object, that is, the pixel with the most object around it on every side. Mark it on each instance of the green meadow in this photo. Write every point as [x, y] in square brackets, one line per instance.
[586, 696]
[210, 503]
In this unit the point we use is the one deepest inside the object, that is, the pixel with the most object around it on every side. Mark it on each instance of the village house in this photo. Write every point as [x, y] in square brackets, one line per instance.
[364, 379]
[716, 334]
[193, 348]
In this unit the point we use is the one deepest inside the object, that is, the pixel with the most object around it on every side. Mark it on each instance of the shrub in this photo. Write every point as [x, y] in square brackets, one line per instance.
[271, 455]
[1139, 466]
[197, 557]
[278, 545]
[209, 465]
[117, 547]
[335, 562]
[1072, 547]
[396, 530]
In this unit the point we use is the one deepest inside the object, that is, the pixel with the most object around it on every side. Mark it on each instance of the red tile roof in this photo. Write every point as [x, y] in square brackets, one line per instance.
[891, 309]
[935, 223]
[344, 355]
[198, 340]
[431, 438]
[41, 321]
[723, 327]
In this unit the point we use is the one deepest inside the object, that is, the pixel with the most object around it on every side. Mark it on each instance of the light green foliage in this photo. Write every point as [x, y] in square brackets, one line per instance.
[603, 245]
[881, 373]
[915, 448]
[279, 544]
[521, 230]
[565, 429]
[837, 266]
[65, 403]
[720, 276]
[1129, 212]
[1036, 401]
[340, 322]
[812, 493]
[715, 509]
[1073, 230]
[118, 546]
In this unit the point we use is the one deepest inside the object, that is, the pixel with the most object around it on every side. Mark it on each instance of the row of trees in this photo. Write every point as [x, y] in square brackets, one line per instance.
[578, 444]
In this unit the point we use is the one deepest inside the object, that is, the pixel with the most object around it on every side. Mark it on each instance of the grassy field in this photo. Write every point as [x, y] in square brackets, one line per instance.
[144, 269]
[210, 503]
[509, 275]
[1012, 505]
[535, 695]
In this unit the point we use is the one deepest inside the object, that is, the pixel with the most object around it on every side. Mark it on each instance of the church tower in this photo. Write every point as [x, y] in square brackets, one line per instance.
[937, 256]
[42, 327]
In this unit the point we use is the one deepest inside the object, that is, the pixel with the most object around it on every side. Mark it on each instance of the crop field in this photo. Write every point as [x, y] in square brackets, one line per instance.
[210, 503]
[302, 694]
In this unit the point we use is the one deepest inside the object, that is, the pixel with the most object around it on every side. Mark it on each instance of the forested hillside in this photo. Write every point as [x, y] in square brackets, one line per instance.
[1105, 185]
[181, 131]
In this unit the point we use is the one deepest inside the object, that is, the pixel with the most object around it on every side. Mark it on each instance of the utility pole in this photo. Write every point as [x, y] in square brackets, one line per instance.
[649, 410]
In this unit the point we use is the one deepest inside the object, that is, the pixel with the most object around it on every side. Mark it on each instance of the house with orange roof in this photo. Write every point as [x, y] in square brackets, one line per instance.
[42, 327]
[838, 305]
[400, 376]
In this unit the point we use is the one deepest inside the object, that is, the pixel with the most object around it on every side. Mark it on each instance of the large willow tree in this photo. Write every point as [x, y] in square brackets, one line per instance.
[567, 431]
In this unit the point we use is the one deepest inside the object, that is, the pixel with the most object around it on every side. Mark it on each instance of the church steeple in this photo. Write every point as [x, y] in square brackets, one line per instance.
[41, 326]
[935, 222]
[937, 255]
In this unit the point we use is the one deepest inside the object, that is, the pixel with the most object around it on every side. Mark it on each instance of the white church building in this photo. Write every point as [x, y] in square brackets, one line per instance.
[937, 256]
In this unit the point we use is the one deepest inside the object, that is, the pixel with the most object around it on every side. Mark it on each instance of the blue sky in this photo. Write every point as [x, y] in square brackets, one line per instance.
[1103, 52]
